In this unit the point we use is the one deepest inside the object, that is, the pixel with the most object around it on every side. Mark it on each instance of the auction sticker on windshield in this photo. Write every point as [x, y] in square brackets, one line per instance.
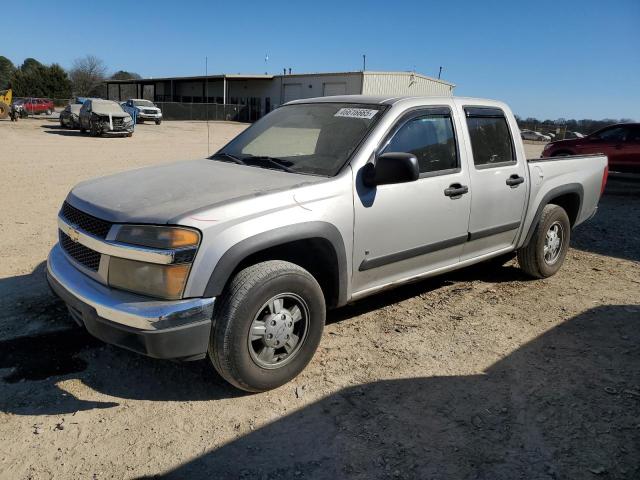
[356, 113]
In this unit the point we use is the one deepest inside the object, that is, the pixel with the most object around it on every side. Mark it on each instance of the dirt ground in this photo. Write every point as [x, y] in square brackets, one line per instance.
[478, 374]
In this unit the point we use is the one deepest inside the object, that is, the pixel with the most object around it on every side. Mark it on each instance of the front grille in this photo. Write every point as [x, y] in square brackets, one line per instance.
[118, 122]
[149, 112]
[81, 254]
[84, 221]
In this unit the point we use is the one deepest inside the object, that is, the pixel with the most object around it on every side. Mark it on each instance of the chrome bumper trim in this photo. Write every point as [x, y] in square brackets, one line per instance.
[116, 249]
[122, 307]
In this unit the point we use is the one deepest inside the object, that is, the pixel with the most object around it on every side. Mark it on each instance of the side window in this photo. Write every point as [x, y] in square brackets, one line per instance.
[491, 140]
[431, 139]
[634, 134]
[616, 134]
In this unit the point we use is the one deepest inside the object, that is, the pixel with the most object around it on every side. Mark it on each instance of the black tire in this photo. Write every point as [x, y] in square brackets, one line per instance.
[243, 301]
[158, 122]
[532, 256]
[94, 130]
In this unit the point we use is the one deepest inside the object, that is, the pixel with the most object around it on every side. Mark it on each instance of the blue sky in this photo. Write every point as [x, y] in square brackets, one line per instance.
[549, 59]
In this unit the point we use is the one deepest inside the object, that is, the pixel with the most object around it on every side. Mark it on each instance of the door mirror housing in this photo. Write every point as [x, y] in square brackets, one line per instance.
[393, 167]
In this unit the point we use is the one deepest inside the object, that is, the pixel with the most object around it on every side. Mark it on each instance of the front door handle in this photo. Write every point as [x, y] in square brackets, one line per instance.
[515, 180]
[455, 190]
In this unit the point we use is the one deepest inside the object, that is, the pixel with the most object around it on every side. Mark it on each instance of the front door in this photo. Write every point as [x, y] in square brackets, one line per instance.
[499, 180]
[403, 230]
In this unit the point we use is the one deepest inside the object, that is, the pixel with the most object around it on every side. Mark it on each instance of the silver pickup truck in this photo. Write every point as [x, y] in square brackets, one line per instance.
[322, 202]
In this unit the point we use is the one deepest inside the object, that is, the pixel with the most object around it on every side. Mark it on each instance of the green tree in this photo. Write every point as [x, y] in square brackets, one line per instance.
[33, 79]
[6, 71]
[124, 75]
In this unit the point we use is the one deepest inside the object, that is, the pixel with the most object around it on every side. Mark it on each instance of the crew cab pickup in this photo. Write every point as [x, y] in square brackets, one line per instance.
[321, 202]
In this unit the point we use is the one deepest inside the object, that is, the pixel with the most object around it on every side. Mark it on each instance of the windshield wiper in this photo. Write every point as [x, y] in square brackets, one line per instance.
[277, 162]
[233, 158]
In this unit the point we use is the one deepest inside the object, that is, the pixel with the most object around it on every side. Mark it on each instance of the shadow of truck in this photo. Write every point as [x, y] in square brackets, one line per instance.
[565, 405]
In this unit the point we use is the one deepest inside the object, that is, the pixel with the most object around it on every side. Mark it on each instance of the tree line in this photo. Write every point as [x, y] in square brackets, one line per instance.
[584, 126]
[85, 78]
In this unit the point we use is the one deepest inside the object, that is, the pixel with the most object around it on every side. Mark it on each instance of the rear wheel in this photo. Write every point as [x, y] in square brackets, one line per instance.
[545, 253]
[267, 326]
[4, 110]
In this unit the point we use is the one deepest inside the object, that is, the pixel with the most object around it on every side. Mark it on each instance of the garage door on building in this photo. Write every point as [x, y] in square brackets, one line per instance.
[334, 88]
[292, 91]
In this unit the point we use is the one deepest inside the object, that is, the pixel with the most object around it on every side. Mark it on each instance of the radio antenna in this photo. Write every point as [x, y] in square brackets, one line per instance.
[206, 98]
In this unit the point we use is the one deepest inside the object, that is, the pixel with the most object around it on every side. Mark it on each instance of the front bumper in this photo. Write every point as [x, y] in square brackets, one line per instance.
[177, 329]
[150, 116]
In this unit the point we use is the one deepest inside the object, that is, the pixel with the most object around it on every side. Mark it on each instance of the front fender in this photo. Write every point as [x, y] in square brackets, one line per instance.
[279, 236]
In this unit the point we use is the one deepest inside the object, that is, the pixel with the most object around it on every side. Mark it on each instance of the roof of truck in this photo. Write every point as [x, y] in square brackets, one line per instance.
[390, 99]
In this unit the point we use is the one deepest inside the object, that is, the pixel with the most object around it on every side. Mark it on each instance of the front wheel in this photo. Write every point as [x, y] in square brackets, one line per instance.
[543, 256]
[267, 326]
[158, 121]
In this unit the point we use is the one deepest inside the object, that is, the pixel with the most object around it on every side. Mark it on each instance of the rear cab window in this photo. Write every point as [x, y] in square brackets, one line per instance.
[491, 139]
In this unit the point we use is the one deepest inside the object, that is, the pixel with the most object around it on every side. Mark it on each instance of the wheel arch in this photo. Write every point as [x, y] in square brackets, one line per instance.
[317, 247]
[569, 197]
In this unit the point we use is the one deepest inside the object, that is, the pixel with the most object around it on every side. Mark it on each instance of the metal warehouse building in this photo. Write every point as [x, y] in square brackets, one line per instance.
[248, 97]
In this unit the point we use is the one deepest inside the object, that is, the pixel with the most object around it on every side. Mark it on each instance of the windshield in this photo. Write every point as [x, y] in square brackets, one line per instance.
[106, 107]
[143, 103]
[311, 138]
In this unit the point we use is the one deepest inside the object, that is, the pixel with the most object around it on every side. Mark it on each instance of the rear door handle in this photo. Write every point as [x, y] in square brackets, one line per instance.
[455, 190]
[515, 180]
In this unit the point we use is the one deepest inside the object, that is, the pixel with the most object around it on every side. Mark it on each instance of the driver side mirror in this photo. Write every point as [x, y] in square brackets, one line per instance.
[391, 168]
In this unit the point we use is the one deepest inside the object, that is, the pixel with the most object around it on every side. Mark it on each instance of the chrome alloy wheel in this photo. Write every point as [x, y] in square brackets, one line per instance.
[553, 243]
[278, 330]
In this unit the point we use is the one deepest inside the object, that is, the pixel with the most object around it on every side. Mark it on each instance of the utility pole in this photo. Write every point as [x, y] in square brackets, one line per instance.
[364, 62]
[439, 73]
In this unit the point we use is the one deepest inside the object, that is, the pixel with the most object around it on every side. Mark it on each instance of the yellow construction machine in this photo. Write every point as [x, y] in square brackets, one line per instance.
[5, 102]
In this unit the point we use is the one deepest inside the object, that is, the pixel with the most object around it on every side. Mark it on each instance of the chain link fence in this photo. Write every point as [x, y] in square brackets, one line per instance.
[38, 107]
[204, 111]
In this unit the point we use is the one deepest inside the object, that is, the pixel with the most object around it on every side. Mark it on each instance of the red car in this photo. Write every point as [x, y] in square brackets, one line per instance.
[38, 105]
[620, 142]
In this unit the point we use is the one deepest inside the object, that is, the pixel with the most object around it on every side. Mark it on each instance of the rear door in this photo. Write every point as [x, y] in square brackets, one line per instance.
[630, 150]
[498, 180]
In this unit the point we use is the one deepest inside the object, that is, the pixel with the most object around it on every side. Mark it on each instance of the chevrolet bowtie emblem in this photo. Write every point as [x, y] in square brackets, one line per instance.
[74, 235]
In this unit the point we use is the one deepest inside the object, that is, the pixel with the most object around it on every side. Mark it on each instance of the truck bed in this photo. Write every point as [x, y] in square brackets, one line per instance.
[555, 176]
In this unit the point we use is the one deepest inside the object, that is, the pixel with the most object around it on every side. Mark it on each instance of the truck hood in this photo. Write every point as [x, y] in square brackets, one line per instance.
[165, 193]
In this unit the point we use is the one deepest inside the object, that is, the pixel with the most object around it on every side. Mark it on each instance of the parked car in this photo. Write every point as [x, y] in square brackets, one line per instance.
[37, 106]
[531, 135]
[570, 135]
[143, 110]
[104, 116]
[70, 116]
[320, 203]
[620, 143]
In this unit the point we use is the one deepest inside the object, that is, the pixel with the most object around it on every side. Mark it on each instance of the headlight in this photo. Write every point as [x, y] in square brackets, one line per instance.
[157, 280]
[158, 237]
[164, 281]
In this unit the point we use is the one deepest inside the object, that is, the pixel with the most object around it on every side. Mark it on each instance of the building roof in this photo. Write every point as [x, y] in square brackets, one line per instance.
[234, 76]
[240, 76]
